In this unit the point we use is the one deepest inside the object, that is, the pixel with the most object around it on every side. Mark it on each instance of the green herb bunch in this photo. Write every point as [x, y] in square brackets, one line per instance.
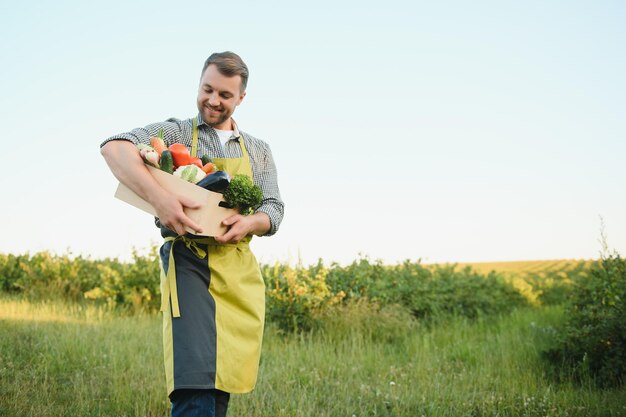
[243, 194]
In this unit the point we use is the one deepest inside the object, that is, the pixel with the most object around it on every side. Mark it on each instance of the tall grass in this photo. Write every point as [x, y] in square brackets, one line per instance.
[73, 360]
[60, 360]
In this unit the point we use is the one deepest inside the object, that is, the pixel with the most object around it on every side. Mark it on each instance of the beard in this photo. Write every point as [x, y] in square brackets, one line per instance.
[215, 119]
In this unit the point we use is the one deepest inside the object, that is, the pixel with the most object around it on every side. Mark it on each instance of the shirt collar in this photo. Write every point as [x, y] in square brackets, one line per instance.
[200, 122]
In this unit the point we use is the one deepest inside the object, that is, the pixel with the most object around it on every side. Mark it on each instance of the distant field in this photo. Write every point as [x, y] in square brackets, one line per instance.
[525, 267]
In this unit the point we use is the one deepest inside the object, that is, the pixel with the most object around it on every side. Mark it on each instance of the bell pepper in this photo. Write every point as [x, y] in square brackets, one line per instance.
[180, 154]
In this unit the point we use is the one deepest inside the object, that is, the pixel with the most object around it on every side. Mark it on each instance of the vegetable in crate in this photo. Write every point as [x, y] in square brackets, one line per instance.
[189, 173]
[181, 154]
[207, 165]
[148, 154]
[243, 194]
[209, 168]
[167, 162]
[158, 144]
[197, 162]
[216, 182]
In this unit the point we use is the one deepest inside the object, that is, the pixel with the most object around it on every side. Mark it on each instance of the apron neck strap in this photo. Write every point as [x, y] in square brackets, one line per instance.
[194, 138]
[244, 151]
[194, 141]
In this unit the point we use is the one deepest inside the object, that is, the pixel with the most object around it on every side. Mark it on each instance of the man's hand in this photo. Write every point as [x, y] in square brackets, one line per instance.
[242, 226]
[169, 208]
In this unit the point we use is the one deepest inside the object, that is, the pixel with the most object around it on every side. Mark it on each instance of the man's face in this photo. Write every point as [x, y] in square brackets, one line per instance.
[218, 96]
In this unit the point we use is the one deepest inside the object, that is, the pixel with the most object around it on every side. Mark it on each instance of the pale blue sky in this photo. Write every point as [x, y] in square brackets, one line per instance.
[446, 131]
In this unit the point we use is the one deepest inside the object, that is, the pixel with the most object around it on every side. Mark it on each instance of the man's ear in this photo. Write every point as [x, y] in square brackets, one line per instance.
[241, 96]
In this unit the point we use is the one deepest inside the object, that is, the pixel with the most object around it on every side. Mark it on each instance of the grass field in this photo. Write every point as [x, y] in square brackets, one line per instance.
[61, 360]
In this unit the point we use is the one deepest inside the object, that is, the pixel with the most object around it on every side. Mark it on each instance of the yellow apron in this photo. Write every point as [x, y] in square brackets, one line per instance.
[213, 303]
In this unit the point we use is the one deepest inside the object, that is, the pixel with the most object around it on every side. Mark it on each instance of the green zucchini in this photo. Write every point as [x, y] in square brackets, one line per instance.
[167, 162]
[205, 160]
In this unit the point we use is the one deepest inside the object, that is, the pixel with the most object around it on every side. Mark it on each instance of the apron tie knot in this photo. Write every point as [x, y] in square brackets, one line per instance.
[193, 247]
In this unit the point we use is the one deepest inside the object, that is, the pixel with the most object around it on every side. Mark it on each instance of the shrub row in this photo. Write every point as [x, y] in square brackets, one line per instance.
[296, 296]
[591, 344]
[130, 285]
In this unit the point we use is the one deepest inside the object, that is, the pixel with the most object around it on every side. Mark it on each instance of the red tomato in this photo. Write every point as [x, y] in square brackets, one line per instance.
[196, 161]
[180, 154]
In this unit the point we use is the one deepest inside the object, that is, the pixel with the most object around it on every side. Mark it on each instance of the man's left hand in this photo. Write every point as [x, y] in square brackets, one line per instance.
[242, 226]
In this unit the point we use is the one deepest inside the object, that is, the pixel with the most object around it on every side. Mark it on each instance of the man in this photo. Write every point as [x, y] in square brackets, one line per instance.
[212, 289]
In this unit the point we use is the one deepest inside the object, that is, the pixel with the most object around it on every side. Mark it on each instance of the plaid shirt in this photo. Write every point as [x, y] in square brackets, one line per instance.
[263, 168]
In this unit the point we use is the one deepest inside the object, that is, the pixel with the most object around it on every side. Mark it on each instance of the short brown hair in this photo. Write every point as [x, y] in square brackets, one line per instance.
[228, 64]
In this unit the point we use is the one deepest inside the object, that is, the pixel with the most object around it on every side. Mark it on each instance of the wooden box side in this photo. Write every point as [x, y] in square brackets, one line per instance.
[209, 216]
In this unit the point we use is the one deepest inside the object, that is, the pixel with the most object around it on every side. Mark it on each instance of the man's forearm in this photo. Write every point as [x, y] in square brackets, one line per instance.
[128, 167]
[260, 223]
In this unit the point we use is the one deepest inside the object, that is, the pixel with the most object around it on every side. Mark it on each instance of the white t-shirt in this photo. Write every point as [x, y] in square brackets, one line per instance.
[224, 135]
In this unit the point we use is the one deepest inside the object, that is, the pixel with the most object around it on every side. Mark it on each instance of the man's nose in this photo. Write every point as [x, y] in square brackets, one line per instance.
[214, 100]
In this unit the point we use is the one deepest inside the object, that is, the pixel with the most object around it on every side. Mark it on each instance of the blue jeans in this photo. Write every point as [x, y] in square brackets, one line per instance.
[199, 403]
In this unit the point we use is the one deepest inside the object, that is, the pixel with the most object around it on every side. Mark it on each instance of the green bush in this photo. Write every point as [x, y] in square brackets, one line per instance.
[11, 271]
[133, 286]
[592, 342]
[464, 293]
[45, 276]
[357, 279]
[432, 292]
[297, 297]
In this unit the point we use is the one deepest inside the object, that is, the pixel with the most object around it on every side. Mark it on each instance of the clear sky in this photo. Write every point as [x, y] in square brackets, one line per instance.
[442, 131]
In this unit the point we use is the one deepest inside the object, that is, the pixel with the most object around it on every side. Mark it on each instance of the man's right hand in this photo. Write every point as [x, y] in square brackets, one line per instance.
[169, 208]
[128, 167]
